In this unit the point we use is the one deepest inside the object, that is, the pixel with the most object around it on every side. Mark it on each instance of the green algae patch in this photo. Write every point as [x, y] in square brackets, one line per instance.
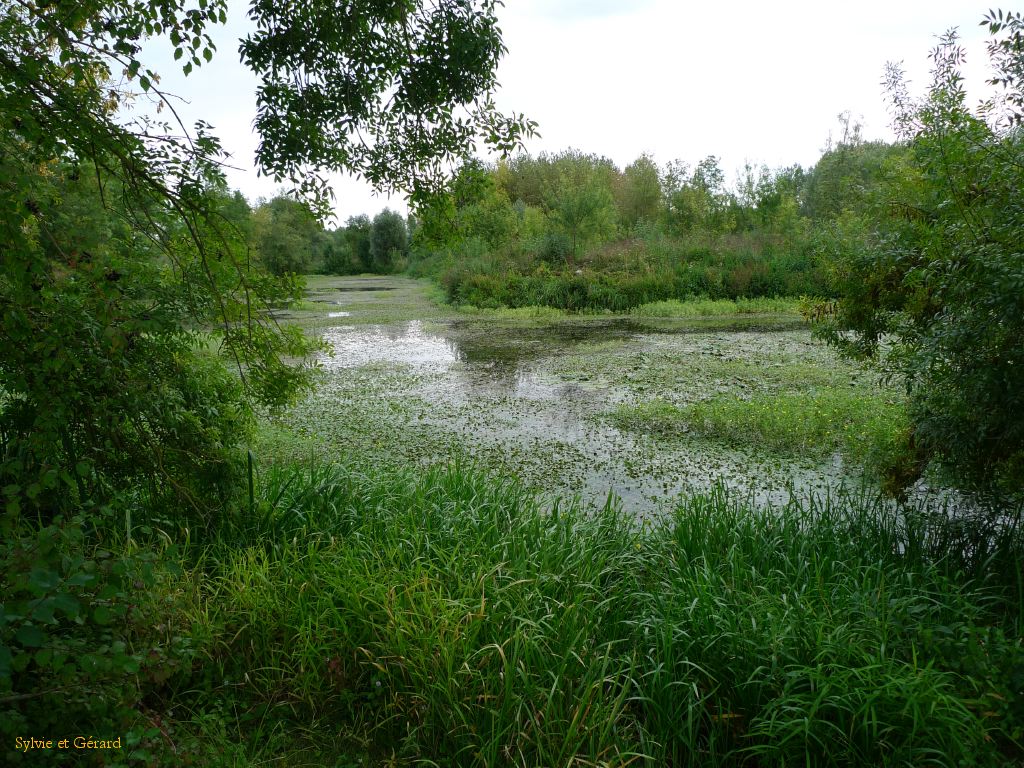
[813, 424]
[717, 307]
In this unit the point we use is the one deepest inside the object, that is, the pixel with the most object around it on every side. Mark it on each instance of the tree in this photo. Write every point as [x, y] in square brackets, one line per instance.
[936, 288]
[849, 177]
[357, 236]
[582, 210]
[527, 178]
[287, 235]
[639, 196]
[697, 200]
[769, 200]
[124, 282]
[388, 239]
[336, 257]
[393, 92]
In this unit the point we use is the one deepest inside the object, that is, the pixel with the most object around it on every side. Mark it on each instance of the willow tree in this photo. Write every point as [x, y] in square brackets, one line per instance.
[120, 270]
[101, 378]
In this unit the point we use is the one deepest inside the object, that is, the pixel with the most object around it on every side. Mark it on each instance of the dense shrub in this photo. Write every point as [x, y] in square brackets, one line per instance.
[639, 274]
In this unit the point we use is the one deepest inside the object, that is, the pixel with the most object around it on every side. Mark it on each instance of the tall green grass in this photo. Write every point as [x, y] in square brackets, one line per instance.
[445, 618]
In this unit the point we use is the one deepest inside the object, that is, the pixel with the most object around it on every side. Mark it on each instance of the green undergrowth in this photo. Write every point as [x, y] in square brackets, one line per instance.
[441, 617]
[690, 307]
[622, 276]
[531, 312]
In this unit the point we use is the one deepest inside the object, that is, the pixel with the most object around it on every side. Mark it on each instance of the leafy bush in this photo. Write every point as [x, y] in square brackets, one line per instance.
[941, 281]
[84, 637]
[554, 248]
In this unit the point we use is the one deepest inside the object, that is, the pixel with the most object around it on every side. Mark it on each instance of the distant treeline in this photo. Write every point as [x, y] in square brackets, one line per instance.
[575, 231]
[288, 238]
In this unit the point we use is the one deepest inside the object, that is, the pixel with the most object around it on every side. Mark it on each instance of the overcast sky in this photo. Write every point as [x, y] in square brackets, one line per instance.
[748, 80]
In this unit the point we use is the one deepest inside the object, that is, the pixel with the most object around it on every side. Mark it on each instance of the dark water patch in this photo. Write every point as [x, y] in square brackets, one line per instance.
[731, 323]
[517, 345]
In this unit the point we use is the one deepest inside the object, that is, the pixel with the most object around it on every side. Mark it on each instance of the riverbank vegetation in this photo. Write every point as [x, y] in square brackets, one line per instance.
[443, 617]
[175, 580]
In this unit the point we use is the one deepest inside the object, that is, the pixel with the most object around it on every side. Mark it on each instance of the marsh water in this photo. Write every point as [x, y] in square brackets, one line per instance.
[408, 380]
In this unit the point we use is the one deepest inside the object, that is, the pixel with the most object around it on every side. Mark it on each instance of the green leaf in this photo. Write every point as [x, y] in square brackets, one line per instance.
[108, 592]
[69, 605]
[41, 580]
[30, 636]
[43, 611]
[103, 615]
[81, 580]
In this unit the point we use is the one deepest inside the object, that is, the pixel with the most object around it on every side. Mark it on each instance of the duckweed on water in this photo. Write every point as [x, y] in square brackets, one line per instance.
[542, 399]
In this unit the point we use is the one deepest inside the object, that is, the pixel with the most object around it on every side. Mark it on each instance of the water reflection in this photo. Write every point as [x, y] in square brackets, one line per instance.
[496, 361]
[495, 388]
[408, 345]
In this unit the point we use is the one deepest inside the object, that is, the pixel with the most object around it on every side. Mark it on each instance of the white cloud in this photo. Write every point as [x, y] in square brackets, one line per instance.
[579, 9]
[743, 80]
[751, 80]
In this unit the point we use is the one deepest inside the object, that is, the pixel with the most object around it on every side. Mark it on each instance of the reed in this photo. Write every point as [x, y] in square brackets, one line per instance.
[446, 618]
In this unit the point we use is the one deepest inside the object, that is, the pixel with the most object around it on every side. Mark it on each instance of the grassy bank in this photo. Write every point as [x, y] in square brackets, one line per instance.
[447, 619]
[397, 614]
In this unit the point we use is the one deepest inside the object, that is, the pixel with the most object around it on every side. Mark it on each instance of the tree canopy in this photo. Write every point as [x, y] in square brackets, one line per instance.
[395, 92]
[123, 262]
[127, 279]
[936, 286]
